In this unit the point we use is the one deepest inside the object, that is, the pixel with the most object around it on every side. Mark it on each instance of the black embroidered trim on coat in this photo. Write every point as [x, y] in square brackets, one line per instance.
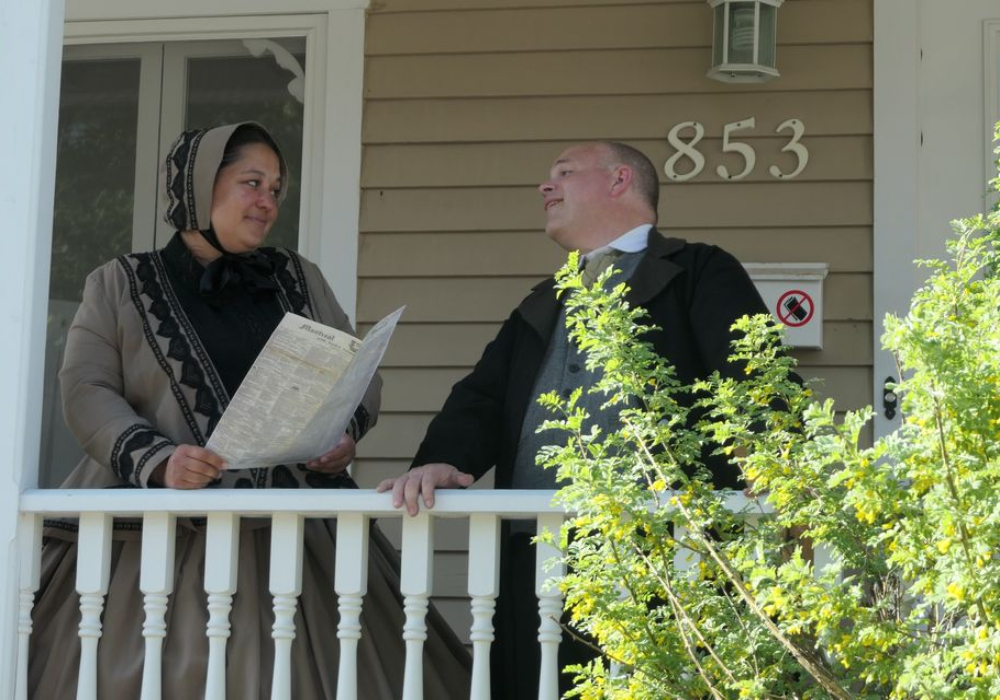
[133, 439]
[360, 423]
[74, 525]
[175, 328]
[144, 460]
[151, 288]
[142, 440]
[293, 287]
[210, 404]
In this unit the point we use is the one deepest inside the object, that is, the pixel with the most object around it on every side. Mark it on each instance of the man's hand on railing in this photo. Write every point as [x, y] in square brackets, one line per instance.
[337, 459]
[189, 467]
[422, 481]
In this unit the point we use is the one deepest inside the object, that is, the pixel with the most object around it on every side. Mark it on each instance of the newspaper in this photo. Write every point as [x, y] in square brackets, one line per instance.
[300, 394]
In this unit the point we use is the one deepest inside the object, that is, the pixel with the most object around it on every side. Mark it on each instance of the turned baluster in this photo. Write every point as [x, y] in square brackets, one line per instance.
[92, 575]
[484, 583]
[221, 563]
[549, 568]
[286, 585]
[415, 584]
[351, 584]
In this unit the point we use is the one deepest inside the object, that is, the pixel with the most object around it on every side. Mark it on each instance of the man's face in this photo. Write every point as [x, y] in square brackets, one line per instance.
[576, 194]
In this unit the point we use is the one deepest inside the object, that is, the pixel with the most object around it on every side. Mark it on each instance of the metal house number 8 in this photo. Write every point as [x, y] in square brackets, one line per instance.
[688, 150]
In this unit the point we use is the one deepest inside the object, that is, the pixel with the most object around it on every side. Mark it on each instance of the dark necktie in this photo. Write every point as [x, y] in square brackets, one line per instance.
[597, 264]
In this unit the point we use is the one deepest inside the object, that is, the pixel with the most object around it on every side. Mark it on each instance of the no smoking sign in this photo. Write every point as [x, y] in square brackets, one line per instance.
[793, 292]
[795, 308]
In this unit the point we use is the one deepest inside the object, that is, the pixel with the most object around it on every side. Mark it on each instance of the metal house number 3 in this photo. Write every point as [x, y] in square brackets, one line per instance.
[687, 150]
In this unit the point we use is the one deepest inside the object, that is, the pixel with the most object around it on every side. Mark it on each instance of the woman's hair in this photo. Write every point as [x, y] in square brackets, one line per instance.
[244, 136]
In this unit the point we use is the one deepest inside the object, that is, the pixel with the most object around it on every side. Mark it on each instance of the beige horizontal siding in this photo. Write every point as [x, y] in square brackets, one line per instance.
[684, 206]
[452, 120]
[620, 72]
[524, 163]
[475, 300]
[496, 253]
[459, 345]
[527, 25]
[415, 390]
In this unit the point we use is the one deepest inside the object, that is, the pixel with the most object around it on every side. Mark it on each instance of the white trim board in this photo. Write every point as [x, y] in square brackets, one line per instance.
[991, 95]
[896, 186]
[91, 10]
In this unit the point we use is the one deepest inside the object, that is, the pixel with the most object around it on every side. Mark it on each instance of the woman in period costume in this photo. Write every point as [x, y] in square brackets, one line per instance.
[160, 343]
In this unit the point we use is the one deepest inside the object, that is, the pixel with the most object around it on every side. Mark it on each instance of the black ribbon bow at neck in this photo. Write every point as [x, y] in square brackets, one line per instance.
[252, 270]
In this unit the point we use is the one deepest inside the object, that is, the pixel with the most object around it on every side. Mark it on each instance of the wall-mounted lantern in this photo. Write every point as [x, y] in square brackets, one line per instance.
[744, 40]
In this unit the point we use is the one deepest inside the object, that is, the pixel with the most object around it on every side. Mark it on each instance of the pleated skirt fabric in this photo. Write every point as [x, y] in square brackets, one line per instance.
[55, 644]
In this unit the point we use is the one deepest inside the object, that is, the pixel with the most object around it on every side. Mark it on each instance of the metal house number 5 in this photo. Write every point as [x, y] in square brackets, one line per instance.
[745, 150]
[687, 149]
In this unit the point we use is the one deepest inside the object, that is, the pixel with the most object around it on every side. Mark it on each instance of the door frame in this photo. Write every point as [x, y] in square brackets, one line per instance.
[331, 131]
[896, 181]
[991, 94]
[905, 210]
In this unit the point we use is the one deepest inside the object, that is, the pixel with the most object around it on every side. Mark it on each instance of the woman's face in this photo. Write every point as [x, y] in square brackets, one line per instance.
[245, 198]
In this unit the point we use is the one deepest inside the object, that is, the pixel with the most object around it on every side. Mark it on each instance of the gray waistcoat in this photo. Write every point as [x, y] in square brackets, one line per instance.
[563, 370]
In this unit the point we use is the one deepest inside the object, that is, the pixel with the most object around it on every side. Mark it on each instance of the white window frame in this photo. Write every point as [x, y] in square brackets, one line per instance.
[331, 130]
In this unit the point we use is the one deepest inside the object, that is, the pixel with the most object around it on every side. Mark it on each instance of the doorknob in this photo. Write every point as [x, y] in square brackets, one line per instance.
[890, 400]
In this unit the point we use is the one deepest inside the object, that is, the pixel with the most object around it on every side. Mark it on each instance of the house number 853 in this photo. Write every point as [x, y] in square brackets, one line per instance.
[687, 150]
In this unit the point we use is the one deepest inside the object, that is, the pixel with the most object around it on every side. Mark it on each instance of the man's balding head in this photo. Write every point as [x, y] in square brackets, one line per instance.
[646, 183]
[597, 191]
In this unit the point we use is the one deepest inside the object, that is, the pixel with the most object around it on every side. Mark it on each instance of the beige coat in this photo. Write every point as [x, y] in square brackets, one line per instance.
[137, 382]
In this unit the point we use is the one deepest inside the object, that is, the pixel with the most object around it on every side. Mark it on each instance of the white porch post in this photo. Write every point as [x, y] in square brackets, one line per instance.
[30, 53]
[896, 189]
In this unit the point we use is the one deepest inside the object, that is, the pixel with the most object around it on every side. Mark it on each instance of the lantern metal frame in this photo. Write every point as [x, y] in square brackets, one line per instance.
[755, 70]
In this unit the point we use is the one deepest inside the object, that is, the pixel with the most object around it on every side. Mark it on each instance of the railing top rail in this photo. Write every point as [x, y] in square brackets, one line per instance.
[317, 503]
[310, 503]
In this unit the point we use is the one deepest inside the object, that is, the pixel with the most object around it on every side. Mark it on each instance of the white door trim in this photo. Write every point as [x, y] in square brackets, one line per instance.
[991, 95]
[331, 130]
[896, 187]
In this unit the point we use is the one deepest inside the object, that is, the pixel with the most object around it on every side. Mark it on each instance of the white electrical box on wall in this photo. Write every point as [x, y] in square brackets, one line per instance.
[793, 293]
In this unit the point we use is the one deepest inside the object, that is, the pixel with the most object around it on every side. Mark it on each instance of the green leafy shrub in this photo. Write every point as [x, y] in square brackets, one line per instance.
[688, 599]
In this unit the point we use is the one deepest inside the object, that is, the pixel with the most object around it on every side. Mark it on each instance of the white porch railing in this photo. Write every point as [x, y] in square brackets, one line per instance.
[287, 511]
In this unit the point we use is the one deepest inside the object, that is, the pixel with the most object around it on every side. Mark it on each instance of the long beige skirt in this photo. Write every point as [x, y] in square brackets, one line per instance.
[55, 645]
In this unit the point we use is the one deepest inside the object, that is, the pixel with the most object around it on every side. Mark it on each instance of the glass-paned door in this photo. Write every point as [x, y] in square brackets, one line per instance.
[121, 106]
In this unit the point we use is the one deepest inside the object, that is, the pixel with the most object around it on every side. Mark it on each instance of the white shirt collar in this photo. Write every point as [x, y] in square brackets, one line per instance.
[633, 241]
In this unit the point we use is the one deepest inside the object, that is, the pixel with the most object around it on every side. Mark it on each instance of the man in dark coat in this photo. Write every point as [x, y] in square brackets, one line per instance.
[600, 198]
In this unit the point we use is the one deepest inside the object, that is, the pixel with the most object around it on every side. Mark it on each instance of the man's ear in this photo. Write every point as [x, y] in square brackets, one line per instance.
[623, 177]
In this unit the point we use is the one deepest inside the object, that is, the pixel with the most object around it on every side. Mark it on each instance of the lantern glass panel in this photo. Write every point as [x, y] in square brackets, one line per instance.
[768, 35]
[741, 32]
[719, 30]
